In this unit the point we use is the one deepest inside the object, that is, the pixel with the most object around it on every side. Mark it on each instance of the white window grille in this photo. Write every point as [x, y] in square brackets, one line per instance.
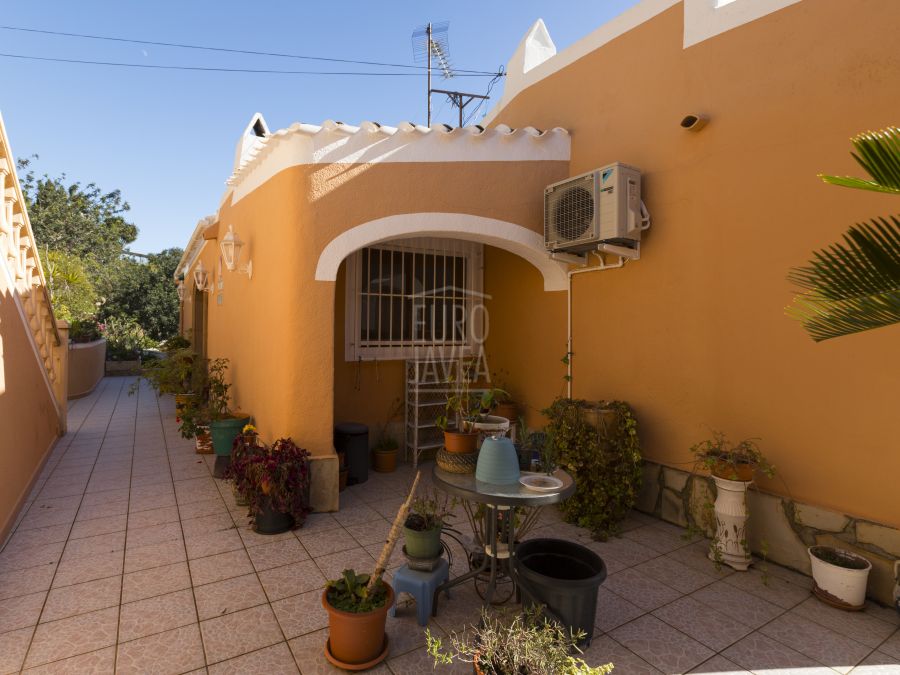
[415, 298]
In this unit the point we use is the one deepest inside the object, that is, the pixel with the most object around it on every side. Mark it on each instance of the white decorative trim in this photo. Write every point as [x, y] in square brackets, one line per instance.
[372, 143]
[516, 239]
[704, 19]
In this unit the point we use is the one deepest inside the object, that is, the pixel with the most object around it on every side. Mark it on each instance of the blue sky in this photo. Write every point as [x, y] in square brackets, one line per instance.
[167, 138]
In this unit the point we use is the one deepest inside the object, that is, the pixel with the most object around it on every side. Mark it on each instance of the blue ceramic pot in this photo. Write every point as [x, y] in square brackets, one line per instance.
[498, 462]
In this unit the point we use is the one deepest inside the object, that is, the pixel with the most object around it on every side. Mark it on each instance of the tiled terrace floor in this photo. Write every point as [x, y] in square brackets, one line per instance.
[131, 558]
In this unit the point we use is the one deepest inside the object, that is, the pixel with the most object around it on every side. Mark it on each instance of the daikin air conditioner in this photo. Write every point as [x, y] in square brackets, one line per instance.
[600, 207]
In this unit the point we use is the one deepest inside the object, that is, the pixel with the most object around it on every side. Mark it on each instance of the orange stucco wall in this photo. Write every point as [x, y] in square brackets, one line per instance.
[694, 334]
[27, 413]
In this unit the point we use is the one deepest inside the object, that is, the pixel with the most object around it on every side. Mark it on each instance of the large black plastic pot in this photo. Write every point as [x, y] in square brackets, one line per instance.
[565, 577]
[270, 521]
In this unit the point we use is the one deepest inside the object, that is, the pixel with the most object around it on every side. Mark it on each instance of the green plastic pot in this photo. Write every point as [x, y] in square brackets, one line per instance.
[223, 433]
[424, 544]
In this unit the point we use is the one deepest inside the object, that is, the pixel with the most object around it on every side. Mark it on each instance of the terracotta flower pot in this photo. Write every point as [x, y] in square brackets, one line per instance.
[356, 638]
[203, 442]
[460, 443]
[728, 471]
[508, 409]
[385, 461]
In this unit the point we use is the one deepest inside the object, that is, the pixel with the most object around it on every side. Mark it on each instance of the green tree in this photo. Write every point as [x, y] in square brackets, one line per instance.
[854, 285]
[80, 220]
[71, 292]
[145, 291]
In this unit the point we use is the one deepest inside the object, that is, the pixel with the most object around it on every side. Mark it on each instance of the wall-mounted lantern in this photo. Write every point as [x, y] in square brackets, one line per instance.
[201, 278]
[231, 246]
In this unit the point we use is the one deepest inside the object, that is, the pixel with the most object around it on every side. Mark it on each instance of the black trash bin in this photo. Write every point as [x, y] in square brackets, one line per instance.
[565, 577]
[352, 439]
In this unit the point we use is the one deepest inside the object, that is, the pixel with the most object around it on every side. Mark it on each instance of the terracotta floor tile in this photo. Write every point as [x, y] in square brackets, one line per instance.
[157, 614]
[81, 598]
[76, 635]
[274, 660]
[230, 595]
[235, 634]
[174, 651]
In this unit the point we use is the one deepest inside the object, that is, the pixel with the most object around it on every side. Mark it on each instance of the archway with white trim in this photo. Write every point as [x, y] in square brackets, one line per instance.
[521, 241]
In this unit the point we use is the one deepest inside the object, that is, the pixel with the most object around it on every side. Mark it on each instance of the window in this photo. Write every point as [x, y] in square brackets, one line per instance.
[415, 298]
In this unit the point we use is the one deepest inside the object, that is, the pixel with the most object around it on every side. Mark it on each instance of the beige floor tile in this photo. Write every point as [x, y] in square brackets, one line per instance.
[218, 567]
[251, 538]
[769, 587]
[713, 629]
[79, 570]
[90, 528]
[605, 650]
[160, 516]
[358, 559]
[157, 614]
[207, 524]
[739, 605]
[326, 542]
[301, 614]
[13, 646]
[206, 507]
[300, 577]
[212, 543]
[20, 557]
[640, 589]
[174, 651]
[81, 598]
[76, 635]
[862, 627]
[817, 642]
[20, 611]
[27, 581]
[309, 652]
[99, 662]
[230, 595]
[42, 535]
[274, 660]
[757, 652]
[155, 581]
[419, 661]
[276, 554]
[661, 645]
[153, 534]
[373, 532]
[92, 546]
[675, 574]
[155, 555]
[235, 634]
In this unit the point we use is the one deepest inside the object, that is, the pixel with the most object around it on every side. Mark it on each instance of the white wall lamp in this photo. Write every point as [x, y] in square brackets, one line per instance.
[201, 278]
[231, 246]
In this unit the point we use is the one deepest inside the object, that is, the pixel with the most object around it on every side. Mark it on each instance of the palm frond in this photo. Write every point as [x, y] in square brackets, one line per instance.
[851, 286]
[878, 152]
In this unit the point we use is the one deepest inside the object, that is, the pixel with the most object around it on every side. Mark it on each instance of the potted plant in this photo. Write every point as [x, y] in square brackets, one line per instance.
[504, 404]
[125, 341]
[193, 422]
[275, 482]
[424, 524]
[385, 453]
[356, 619]
[733, 466]
[243, 445]
[526, 644]
[172, 373]
[840, 576]
[731, 461]
[463, 412]
[357, 606]
[224, 424]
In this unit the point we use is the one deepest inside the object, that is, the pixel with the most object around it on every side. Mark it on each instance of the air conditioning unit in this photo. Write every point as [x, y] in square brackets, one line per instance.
[603, 206]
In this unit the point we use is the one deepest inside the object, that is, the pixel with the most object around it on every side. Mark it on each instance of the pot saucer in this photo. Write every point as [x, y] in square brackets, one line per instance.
[356, 666]
[829, 599]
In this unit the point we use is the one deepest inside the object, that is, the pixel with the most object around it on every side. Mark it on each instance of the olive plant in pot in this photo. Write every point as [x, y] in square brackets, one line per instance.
[522, 644]
[840, 577]
[224, 424]
[275, 481]
[357, 606]
[424, 524]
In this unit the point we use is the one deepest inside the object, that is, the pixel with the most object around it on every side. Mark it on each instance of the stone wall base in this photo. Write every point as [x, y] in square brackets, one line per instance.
[779, 529]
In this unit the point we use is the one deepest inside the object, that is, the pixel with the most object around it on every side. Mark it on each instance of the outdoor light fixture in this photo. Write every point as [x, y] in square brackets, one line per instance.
[201, 278]
[231, 246]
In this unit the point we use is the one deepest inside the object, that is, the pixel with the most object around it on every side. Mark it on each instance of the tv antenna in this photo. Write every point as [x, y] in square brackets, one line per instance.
[431, 44]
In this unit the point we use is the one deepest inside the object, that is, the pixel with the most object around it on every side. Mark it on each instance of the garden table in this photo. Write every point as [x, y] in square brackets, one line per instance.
[496, 499]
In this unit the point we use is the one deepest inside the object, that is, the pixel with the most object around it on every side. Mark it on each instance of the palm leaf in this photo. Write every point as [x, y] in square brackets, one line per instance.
[851, 286]
[878, 152]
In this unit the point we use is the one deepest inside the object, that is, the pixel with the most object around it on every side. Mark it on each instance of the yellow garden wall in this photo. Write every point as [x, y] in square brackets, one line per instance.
[694, 334]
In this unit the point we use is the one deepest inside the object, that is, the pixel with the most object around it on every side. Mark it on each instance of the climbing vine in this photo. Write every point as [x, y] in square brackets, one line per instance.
[598, 444]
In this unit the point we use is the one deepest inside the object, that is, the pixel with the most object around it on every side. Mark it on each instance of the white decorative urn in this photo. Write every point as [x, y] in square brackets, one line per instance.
[730, 545]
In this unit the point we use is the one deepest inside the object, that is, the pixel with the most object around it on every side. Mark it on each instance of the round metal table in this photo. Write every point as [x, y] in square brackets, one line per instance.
[497, 499]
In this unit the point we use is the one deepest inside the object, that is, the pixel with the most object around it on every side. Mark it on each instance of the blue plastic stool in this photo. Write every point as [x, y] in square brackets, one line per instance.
[420, 585]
